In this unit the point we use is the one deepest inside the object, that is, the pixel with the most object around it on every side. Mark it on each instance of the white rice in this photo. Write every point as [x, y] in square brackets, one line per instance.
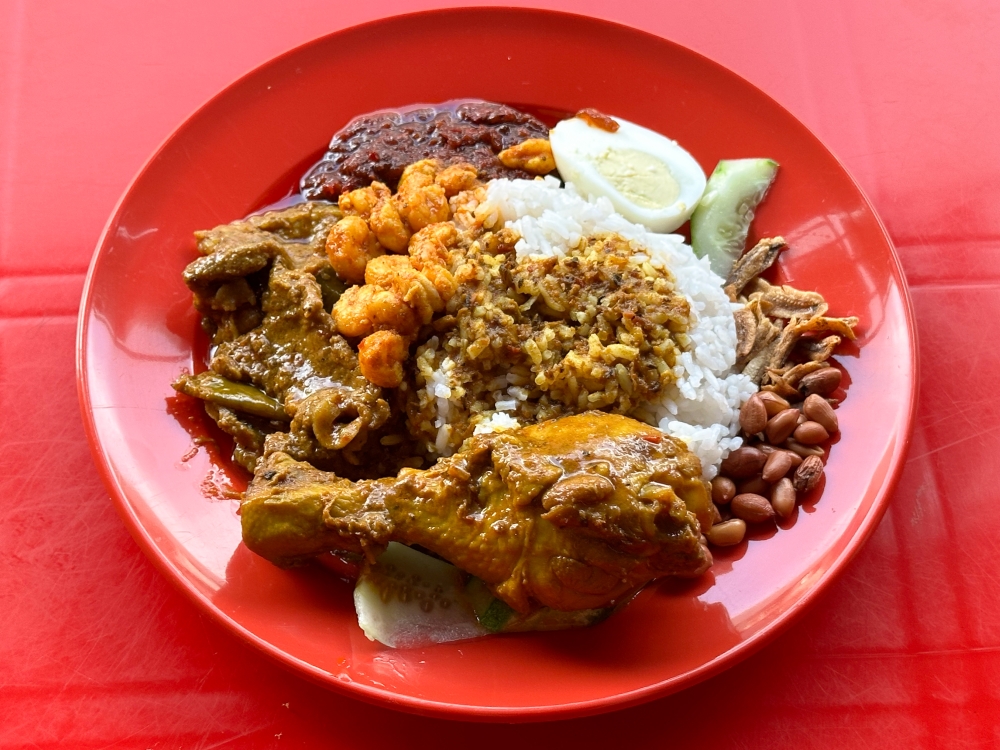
[702, 407]
[498, 422]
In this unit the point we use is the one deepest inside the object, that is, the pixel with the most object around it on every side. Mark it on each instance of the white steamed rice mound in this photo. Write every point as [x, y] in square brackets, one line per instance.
[702, 407]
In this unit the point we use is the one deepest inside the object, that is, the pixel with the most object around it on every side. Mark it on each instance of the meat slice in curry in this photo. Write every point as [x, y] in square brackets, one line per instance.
[265, 288]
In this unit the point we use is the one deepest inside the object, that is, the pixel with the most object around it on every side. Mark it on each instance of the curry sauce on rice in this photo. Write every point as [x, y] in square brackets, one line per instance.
[429, 343]
[535, 333]
[530, 303]
[530, 338]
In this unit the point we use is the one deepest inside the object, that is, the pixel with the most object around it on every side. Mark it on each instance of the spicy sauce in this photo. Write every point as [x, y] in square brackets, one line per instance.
[378, 146]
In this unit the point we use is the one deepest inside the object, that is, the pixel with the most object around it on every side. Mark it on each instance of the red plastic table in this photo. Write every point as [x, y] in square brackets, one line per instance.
[98, 650]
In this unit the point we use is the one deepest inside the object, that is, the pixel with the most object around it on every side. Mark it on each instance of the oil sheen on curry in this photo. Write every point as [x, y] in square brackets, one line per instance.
[458, 340]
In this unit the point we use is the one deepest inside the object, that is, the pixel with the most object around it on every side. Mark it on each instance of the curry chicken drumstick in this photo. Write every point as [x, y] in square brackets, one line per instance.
[571, 513]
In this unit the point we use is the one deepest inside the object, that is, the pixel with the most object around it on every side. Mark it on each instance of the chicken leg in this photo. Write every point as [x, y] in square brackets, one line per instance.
[570, 514]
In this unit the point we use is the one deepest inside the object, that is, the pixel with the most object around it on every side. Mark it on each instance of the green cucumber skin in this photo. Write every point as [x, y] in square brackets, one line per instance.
[497, 617]
[398, 622]
[474, 611]
[720, 224]
[552, 619]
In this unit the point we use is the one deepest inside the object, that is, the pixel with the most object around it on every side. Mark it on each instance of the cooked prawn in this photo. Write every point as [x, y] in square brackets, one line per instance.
[381, 356]
[349, 246]
[358, 202]
[362, 310]
[431, 245]
[456, 178]
[397, 274]
[533, 155]
[418, 199]
[388, 226]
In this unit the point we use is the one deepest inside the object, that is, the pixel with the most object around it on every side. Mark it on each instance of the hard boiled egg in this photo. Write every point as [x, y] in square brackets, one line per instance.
[649, 179]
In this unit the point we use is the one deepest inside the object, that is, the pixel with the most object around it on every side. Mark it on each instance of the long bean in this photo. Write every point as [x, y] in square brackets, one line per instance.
[239, 397]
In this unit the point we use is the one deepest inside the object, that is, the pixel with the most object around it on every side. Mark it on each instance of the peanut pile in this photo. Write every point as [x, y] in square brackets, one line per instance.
[781, 458]
[784, 424]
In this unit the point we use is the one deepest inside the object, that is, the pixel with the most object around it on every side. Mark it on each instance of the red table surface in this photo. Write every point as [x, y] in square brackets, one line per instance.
[98, 650]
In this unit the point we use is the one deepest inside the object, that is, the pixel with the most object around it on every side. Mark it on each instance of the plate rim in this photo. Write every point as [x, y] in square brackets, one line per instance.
[466, 711]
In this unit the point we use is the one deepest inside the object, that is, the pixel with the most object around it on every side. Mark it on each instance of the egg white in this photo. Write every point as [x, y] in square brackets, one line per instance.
[633, 167]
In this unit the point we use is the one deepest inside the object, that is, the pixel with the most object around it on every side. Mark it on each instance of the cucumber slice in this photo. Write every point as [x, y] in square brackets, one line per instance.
[720, 224]
[497, 617]
[408, 599]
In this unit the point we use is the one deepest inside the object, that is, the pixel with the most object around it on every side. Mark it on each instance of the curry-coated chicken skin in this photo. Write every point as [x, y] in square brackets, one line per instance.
[571, 513]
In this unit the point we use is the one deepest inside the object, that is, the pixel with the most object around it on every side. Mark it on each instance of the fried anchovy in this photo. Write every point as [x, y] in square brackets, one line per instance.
[753, 264]
[785, 301]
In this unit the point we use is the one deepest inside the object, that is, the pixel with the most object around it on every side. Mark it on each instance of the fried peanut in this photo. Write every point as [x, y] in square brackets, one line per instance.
[818, 409]
[723, 490]
[753, 415]
[773, 403]
[728, 533]
[811, 433]
[781, 425]
[743, 463]
[783, 498]
[381, 356]
[807, 476]
[823, 382]
[752, 508]
[754, 485]
[803, 450]
[778, 464]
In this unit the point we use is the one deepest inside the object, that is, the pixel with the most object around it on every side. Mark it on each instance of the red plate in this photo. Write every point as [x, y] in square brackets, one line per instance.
[246, 147]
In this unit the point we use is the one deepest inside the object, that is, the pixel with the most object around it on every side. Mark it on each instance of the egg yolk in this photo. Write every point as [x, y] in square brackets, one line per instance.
[639, 177]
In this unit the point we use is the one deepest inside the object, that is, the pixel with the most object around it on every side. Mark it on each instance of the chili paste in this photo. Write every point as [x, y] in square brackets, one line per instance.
[380, 145]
